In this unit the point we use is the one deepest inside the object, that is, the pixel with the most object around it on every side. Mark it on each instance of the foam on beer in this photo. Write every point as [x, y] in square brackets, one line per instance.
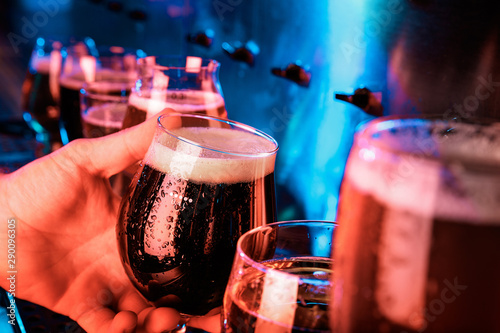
[193, 101]
[108, 115]
[417, 189]
[208, 165]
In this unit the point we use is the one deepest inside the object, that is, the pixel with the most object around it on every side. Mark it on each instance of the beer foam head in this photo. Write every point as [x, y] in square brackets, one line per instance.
[212, 155]
[443, 169]
[188, 101]
[108, 115]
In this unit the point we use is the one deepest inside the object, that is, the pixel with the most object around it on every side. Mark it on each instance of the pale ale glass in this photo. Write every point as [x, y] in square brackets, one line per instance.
[203, 183]
[418, 243]
[281, 279]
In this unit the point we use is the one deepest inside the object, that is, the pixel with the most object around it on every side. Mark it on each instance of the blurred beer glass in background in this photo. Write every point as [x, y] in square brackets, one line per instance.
[281, 279]
[203, 183]
[417, 248]
[112, 66]
[185, 84]
[103, 106]
[40, 90]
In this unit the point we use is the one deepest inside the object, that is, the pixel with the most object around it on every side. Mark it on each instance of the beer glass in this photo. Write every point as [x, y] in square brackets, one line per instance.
[281, 279]
[40, 90]
[185, 84]
[418, 243]
[113, 65]
[203, 182]
[103, 106]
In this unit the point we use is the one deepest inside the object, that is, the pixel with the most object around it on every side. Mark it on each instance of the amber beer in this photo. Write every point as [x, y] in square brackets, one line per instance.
[103, 107]
[418, 243]
[311, 311]
[186, 209]
[101, 120]
[145, 105]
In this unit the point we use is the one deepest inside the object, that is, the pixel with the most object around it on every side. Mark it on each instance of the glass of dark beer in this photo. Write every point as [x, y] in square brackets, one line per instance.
[418, 243]
[113, 66]
[186, 84]
[281, 279]
[203, 183]
[40, 90]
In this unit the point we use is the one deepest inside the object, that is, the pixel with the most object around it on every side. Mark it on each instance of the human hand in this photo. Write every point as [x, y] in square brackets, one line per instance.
[66, 254]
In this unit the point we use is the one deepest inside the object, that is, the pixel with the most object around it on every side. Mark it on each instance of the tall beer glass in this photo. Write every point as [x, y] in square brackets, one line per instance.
[418, 243]
[280, 281]
[203, 183]
[185, 84]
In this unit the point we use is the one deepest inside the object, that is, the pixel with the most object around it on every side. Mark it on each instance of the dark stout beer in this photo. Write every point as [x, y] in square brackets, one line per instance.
[37, 98]
[184, 213]
[183, 101]
[243, 301]
[418, 244]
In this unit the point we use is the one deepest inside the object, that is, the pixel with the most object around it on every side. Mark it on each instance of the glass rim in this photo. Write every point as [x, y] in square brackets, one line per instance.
[84, 93]
[205, 62]
[365, 132]
[261, 267]
[231, 123]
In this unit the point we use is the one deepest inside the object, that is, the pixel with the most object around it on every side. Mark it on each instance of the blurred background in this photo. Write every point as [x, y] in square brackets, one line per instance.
[289, 68]
[283, 63]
